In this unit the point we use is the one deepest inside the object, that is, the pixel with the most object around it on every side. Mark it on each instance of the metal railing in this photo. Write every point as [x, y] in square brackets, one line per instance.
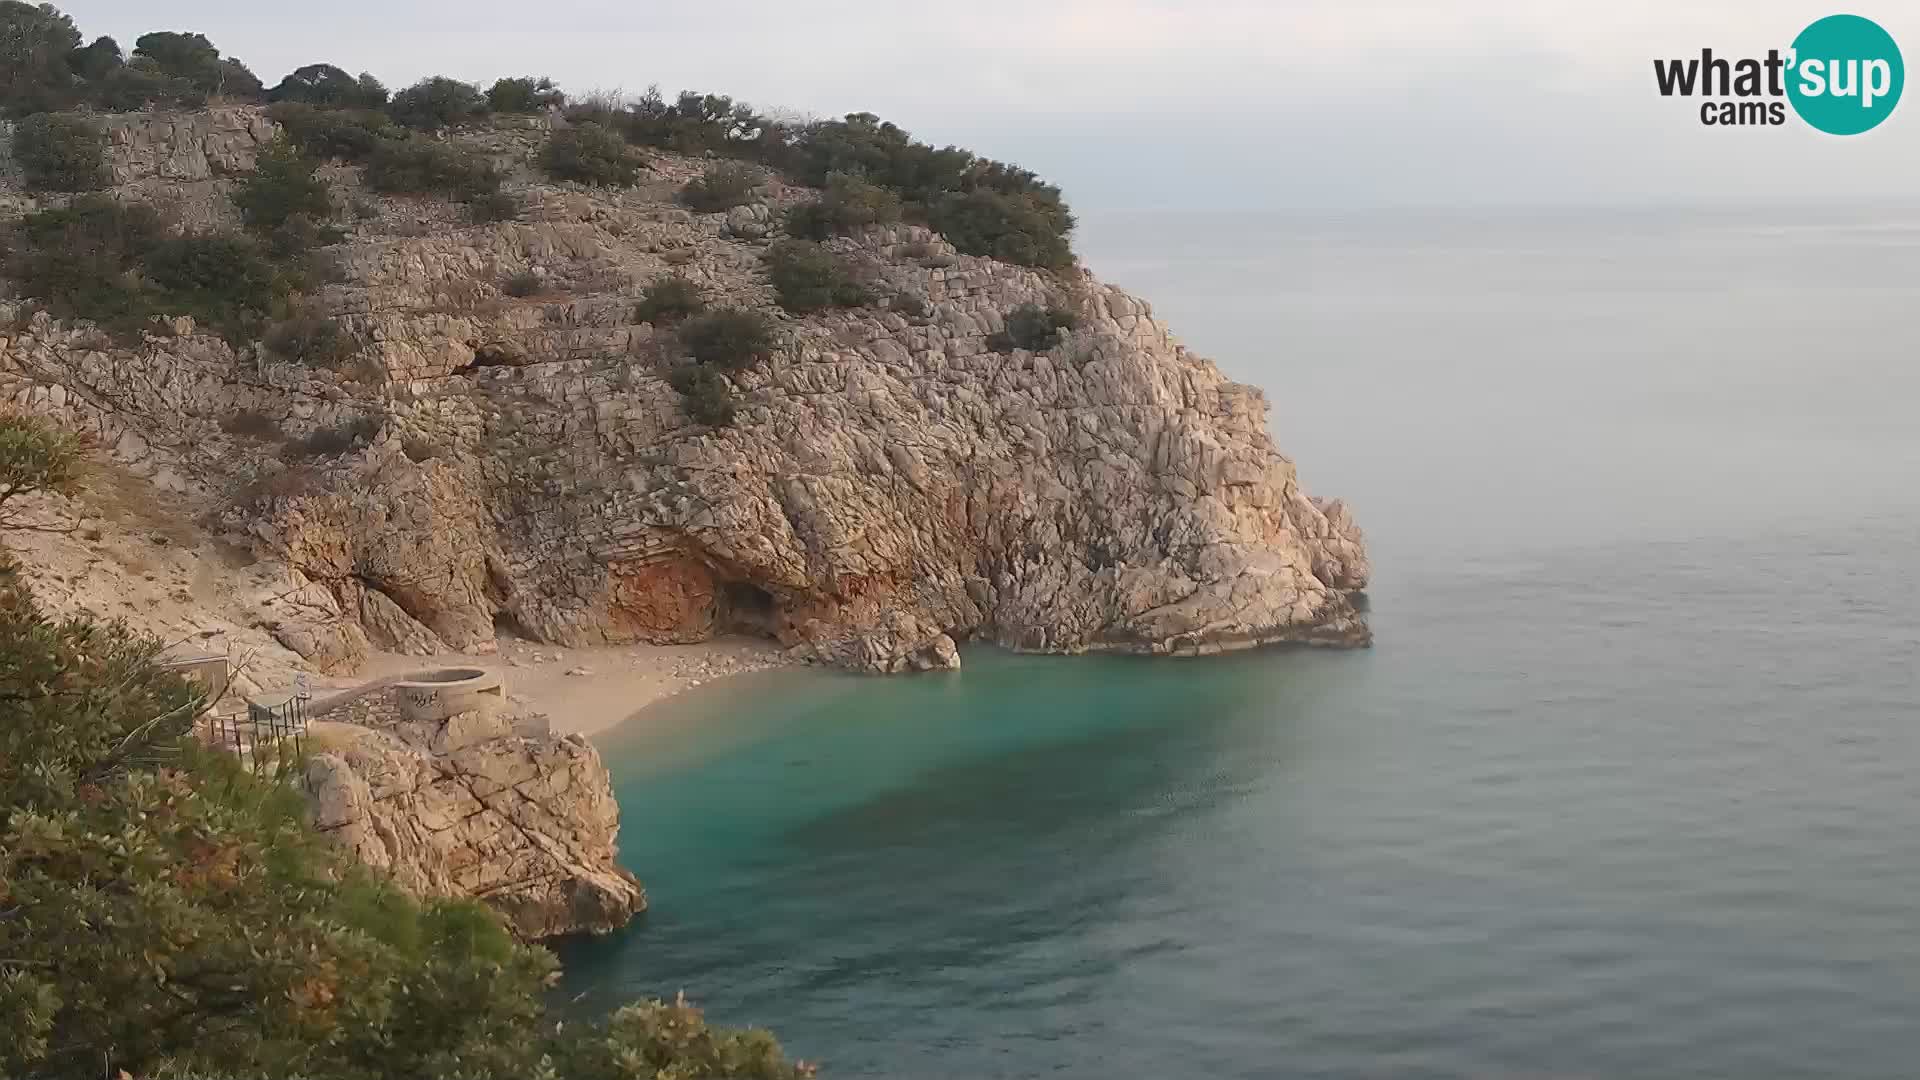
[271, 740]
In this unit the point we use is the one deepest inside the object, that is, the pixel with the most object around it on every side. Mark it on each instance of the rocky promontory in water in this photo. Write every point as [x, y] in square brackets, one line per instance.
[495, 440]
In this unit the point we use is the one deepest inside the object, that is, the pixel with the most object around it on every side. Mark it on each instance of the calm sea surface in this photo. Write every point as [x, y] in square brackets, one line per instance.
[1626, 788]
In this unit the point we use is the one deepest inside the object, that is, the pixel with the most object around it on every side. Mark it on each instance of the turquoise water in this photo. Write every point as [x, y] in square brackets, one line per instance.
[1624, 790]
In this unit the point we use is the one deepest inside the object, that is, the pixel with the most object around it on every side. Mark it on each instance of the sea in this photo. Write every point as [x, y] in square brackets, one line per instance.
[1625, 788]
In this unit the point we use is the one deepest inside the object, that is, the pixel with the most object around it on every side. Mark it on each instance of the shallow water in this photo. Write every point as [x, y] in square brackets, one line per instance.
[1624, 790]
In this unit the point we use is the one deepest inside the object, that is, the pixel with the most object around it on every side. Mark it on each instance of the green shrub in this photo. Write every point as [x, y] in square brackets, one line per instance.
[730, 338]
[311, 340]
[983, 207]
[492, 207]
[438, 102]
[329, 87]
[82, 260]
[1016, 228]
[283, 185]
[57, 152]
[667, 298]
[912, 305]
[809, 278]
[849, 203]
[220, 279]
[194, 60]
[721, 187]
[343, 134]
[424, 167]
[35, 457]
[522, 285]
[524, 95]
[590, 154]
[706, 393]
[1032, 327]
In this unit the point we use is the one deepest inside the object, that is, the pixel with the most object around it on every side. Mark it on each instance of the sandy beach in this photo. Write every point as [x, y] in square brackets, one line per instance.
[587, 690]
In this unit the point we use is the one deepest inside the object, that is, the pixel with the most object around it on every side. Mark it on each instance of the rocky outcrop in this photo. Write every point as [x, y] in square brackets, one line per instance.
[894, 482]
[471, 807]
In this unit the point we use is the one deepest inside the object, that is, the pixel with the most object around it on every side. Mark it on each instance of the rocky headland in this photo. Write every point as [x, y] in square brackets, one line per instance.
[501, 452]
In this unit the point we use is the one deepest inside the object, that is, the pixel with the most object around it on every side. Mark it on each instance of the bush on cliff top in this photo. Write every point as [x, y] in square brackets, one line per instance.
[345, 134]
[810, 278]
[1033, 327]
[729, 338]
[285, 200]
[330, 87]
[590, 154]
[721, 187]
[524, 95]
[667, 298]
[848, 204]
[57, 152]
[423, 167]
[706, 394]
[116, 264]
[438, 102]
[167, 913]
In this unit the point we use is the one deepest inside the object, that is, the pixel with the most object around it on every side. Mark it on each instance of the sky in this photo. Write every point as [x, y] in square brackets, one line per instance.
[1158, 104]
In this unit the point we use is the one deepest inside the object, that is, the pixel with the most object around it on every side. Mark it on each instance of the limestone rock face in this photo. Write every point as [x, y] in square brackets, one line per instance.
[471, 809]
[892, 483]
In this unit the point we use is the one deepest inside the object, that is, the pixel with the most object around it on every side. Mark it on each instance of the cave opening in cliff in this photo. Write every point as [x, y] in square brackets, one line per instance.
[748, 608]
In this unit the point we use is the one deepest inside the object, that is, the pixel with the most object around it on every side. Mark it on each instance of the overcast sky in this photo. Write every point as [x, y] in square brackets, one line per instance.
[1164, 103]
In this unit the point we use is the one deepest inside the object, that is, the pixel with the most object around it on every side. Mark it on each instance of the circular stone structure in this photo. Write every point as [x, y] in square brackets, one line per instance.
[436, 695]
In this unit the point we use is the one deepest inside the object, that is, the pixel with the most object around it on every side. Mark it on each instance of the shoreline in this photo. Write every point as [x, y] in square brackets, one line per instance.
[588, 691]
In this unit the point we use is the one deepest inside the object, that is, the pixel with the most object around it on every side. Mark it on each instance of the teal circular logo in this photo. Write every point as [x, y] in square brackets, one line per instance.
[1846, 75]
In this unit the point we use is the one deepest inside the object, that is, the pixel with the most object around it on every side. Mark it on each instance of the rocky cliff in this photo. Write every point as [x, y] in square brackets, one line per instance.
[480, 807]
[892, 483]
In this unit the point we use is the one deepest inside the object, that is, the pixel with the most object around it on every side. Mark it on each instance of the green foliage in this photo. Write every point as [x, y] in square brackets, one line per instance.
[35, 458]
[657, 1039]
[850, 203]
[984, 207]
[1022, 228]
[706, 394]
[59, 152]
[524, 95]
[438, 102]
[97, 61]
[283, 185]
[163, 912]
[668, 298]
[419, 166]
[730, 338]
[808, 278]
[721, 187]
[312, 340]
[912, 305]
[345, 134]
[81, 260]
[1033, 327]
[35, 41]
[220, 279]
[522, 285]
[329, 87]
[590, 154]
[696, 123]
[494, 206]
